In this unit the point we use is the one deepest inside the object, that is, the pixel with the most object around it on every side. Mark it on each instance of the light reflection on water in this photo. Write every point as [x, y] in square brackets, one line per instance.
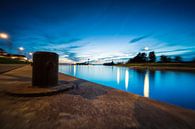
[126, 79]
[118, 75]
[146, 85]
[74, 70]
[173, 87]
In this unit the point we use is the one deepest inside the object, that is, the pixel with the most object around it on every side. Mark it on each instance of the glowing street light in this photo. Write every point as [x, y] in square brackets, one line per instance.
[21, 48]
[30, 53]
[146, 48]
[4, 36]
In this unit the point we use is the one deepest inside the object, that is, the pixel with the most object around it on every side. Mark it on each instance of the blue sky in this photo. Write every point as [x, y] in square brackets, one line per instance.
[99, 30]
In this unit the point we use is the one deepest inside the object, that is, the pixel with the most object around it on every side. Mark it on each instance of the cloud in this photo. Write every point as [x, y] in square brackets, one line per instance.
[50, 38]
[71, 52]
[72, 40]
[74, 47]
[139, 38]
[182, 50]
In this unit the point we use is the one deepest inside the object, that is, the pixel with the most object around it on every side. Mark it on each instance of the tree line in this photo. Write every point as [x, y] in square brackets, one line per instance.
[151, 58]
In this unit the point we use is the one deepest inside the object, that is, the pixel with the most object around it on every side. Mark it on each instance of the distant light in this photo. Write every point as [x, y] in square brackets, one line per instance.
[4, 36]
[146, 48]
[21, 48]
[30, 53]
[25, 58]
[13, 57]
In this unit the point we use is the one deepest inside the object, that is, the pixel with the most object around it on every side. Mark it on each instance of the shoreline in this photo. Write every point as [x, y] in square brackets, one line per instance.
[89, 105]
[153, 66]
[161, 66]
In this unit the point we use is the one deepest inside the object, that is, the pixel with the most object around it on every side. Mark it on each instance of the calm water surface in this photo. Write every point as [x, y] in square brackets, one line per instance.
[174, 87]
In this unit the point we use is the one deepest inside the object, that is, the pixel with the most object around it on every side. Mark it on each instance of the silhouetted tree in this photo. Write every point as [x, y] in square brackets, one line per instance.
[143, 57]
[110, 63]
[177, 59]
[192, 60]
[152, 57]
[165, 59]
[139, 58]
[169, 59]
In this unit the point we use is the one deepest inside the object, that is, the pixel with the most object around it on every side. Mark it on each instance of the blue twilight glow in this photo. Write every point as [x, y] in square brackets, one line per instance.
[99, 30]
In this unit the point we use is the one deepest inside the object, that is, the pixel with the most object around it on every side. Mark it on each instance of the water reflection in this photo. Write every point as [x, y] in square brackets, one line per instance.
[146, 85]
[152, 83]
[118, 75]
[74, 70]
[126, 79]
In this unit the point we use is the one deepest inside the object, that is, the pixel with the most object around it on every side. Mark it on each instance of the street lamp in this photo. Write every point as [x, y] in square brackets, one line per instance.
[146, 48]
[21, 48]
[7, 41]
[30, 53]
[4, 36]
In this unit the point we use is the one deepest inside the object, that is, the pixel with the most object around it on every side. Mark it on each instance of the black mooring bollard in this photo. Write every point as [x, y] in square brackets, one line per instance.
[45, 69]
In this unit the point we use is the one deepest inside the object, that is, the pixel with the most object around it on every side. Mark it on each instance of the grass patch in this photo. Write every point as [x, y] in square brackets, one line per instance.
[11, 61]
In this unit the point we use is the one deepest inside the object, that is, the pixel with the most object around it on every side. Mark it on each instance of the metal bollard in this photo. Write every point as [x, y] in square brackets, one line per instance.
[45, 69]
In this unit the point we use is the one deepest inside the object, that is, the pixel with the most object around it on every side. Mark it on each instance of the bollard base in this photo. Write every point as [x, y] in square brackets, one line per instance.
[26, 90]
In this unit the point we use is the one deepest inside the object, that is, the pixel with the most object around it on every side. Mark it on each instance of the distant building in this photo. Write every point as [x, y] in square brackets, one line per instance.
[2, 53]
[17, 57]
[12, 56]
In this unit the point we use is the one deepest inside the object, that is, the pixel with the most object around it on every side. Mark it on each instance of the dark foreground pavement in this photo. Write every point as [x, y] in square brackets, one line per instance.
[87, 106]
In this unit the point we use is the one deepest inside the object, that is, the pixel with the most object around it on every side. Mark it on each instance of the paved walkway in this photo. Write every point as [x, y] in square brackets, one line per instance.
[8, 67]
[88, 106]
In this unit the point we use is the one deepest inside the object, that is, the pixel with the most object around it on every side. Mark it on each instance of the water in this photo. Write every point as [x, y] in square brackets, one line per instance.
[174, 87]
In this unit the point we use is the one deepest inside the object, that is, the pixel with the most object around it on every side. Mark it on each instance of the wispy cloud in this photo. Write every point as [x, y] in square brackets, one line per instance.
[74, 46]
[181, 51]
[139, 38]
[60, 39]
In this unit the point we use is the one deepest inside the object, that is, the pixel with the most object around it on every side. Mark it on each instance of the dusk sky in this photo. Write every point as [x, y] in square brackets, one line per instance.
[99, 30]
